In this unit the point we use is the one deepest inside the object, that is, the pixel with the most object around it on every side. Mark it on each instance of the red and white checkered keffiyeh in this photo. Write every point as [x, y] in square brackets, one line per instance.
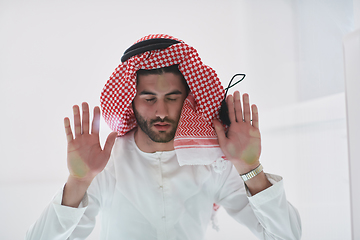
[195, 140]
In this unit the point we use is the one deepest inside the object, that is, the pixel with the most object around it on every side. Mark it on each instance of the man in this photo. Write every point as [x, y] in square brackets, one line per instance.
[152, 188]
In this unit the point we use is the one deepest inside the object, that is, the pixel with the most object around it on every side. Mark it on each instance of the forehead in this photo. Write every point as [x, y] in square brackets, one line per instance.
[160, 82]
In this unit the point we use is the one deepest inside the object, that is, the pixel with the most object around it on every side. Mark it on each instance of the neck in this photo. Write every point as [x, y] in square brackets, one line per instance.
[145, 144]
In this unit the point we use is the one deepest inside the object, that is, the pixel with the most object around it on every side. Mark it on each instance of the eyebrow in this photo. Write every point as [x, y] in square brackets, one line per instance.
[175, 92]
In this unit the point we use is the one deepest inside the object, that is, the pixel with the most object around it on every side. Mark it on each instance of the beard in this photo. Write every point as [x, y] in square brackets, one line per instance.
[161, 136]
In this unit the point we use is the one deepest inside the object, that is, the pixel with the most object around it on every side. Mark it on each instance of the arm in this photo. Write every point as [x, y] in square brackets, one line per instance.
[268, 214]
[265, 209]
[242, 143]
[86, 159]
[59, 222]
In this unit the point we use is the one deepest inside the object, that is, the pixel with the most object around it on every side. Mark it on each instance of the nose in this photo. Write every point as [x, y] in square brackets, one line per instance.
[161, 109]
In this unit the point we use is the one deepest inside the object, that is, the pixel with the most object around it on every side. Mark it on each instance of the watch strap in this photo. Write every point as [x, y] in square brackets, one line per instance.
[252, 173]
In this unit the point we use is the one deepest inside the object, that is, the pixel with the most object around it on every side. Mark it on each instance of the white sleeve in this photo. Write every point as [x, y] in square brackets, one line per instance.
[267, 214]
[58, 222]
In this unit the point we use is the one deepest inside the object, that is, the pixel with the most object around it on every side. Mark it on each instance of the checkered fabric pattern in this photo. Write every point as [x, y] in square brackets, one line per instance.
[195, 140]
[200, 108]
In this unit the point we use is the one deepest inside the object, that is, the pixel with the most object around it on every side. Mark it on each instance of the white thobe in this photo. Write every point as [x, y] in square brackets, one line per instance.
[149, 196]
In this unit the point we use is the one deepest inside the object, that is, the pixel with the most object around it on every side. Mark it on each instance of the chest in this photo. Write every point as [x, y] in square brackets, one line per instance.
[160, 198]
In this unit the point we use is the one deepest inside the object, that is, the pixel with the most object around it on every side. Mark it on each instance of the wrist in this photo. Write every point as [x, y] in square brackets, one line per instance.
[78, 182]
[243, 168]
[249, 175]
[74, 191]
[258, 183]
[255, 179]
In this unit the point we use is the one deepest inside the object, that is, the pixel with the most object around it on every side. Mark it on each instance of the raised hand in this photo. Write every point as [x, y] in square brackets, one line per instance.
[242, 143]
[85, 157]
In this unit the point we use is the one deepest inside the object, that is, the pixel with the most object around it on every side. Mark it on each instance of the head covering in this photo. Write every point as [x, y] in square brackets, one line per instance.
[195, 140]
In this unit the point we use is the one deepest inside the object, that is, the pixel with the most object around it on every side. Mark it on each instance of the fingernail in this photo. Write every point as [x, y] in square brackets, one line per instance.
[246, 99]
[75, 109]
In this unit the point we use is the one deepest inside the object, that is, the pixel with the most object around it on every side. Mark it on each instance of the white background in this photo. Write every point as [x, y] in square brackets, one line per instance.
[352, 73]
[57, 54]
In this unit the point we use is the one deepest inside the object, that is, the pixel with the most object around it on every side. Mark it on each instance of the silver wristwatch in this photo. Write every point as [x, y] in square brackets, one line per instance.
[252, 173]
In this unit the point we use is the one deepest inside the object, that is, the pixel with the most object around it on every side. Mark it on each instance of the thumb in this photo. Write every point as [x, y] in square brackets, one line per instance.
[219, 129]
[109, 143]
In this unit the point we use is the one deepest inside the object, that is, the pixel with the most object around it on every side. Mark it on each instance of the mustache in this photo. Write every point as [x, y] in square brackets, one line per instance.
[165, 120]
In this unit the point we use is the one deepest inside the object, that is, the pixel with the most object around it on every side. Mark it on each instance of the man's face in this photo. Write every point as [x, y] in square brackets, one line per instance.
[157, 105]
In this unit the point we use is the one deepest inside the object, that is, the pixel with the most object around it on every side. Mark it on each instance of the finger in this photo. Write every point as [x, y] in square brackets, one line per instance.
[230, 103]
[237, 104]
[109, 143]
[77, 122]
[85, 118]
[68, 132]
[95, 127]
[219, 129]
[246, 108]
[255, 116]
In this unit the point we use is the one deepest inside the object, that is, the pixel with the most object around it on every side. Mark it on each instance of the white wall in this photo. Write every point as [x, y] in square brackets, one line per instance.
[56, 54]
[352, 73]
